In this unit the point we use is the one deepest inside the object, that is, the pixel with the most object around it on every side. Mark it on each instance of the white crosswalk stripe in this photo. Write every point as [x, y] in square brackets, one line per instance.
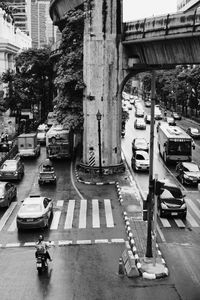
[75, 210]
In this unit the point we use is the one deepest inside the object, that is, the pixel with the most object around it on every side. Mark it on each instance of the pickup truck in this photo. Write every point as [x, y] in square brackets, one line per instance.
[28, 145]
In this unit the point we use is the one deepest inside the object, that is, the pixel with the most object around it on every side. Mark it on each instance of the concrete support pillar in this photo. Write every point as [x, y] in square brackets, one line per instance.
[102, 76]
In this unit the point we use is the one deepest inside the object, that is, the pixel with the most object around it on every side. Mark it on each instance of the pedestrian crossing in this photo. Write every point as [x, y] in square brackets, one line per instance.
[69, 214]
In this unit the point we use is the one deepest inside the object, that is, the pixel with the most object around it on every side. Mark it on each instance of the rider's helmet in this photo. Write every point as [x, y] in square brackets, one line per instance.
[41, 238]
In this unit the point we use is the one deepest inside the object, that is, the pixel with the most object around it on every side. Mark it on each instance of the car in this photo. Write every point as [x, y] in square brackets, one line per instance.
[193, 132]
[132, 100]
[35, 212]
[140, 160]
[188, 173]
[157, 113]
[171, 201]
[139, 112]
[148, 103]
[41, 133]
[139, 124]
[8, 193]
[148, 119]
[176, 116]
[46, 173]
[171, 121]
[129, 106]
[140, 144]
[12, 169]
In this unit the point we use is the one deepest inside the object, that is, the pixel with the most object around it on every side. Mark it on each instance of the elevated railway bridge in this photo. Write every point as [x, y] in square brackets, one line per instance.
[113, 52]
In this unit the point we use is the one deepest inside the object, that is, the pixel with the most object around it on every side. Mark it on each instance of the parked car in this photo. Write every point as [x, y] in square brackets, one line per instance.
[139, 124]
[176, 116]
[171, 121]
[193, 132]
[35, 212]
[140, 144]
[140, 160]
[8, 193]
[46, 173]
[171, 201]
[188, 173]
[12, 169]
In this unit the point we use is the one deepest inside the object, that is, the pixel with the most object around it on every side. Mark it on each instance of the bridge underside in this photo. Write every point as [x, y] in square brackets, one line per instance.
[164, 52]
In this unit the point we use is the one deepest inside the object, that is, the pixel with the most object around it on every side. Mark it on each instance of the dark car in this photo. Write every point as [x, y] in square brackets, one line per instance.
[12, 169]
[176, 116]
[140, 144]
[8, 193]
[193, 132]
[188, 173]
[171, 201]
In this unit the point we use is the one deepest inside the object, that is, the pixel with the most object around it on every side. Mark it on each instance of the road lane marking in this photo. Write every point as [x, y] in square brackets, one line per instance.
[179, 223]
[165, 222]
[70, 214]
[55, 221]
[193, 207]
[60, 203]
[191, 220]
[108, 212]
[95, 213]
[7, 214]
[13, 225]
[83, 242]
[82, 214]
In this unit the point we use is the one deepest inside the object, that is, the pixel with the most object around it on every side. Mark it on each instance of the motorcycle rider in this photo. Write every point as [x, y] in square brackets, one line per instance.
[41, 247]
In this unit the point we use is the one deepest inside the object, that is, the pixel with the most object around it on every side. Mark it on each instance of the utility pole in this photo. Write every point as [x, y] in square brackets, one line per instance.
[151, 181]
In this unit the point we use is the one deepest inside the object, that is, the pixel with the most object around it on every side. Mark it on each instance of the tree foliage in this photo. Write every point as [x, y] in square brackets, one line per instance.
[69, 72]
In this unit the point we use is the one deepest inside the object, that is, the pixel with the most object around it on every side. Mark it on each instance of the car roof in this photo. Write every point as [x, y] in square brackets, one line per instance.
[33, 199]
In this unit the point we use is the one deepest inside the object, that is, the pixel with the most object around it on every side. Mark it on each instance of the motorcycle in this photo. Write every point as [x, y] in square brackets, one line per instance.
[41, 263]
[123, 134]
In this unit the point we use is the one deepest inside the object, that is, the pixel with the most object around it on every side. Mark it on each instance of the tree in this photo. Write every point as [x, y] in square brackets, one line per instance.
[69, 72]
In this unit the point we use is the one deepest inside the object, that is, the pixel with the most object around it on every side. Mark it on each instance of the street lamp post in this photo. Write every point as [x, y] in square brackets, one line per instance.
[151, 181]
[98, 115]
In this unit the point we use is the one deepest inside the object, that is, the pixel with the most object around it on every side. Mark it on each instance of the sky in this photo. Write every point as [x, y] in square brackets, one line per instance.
[139, 9]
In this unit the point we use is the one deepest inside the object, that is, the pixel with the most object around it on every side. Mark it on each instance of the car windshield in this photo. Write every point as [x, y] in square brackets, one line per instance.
[143, 156]
[9, 165]
[26, 208]
[194, 130]
[140, 143]
[41, 131]
[171, 192]
[191, 168]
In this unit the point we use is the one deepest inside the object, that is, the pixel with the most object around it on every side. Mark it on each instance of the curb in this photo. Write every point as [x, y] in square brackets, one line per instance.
[131, 241]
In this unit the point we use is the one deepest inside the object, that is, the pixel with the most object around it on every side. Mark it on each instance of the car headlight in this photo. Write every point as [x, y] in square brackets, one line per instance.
[183, 206]
[163, 206]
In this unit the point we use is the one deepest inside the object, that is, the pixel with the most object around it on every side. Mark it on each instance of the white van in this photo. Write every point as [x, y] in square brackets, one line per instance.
[41, 133]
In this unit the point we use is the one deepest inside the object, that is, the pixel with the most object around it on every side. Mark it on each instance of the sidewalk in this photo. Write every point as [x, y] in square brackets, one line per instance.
[131, 202]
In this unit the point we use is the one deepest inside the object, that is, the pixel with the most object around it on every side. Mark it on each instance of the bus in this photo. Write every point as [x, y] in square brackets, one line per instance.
[59, 142]
[174, 144]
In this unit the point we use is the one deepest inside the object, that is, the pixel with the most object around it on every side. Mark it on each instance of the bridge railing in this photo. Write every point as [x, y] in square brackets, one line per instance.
[177, 23]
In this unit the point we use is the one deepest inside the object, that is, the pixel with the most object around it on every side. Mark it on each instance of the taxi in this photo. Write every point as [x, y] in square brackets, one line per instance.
[35, 212]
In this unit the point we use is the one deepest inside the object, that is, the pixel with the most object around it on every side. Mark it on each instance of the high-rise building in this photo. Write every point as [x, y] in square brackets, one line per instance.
[42, 29]
[20, 13]
[184, 5]
[32, 17]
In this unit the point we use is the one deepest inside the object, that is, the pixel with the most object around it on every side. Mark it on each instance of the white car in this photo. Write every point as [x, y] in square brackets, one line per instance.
[35, 212]
[41, 133]
[140, 161]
